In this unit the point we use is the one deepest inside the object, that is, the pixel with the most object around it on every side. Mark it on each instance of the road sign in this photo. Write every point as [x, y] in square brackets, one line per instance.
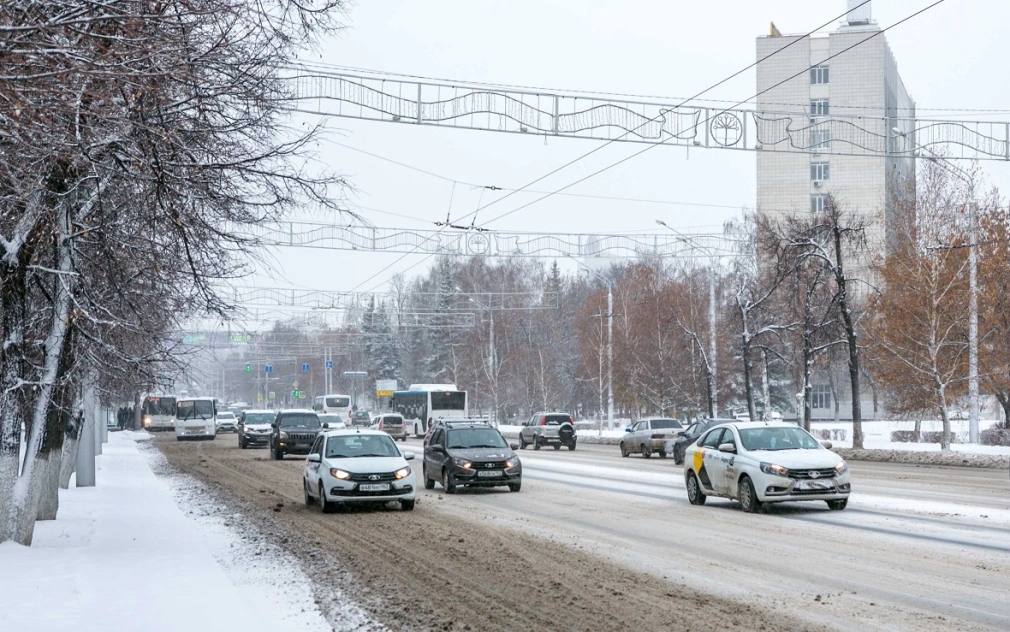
[268, 368]
[297, 394]
[305, 367]
[240, 339]
[272, 396]
[248, 368]
[385, 388]
[329, 364]
[259, 397]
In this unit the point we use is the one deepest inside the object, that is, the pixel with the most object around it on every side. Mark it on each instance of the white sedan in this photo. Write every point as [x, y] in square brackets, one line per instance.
[764, 462]
[355, 466]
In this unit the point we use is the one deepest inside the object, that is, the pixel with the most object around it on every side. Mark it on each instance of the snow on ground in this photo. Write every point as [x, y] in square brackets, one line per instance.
[877, 436]
[124, 556]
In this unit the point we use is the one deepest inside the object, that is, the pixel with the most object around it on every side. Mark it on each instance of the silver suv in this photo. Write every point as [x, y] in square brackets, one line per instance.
[553, 429]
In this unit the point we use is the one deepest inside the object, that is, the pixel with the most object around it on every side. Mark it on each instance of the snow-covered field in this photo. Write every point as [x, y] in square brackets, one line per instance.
[125, 556]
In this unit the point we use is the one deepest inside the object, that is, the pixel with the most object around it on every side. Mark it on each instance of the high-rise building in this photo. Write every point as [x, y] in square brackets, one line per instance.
[837, 101]
[856, 95]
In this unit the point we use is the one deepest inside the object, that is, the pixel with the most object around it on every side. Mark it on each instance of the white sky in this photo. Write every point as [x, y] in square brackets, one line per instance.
[953, 56]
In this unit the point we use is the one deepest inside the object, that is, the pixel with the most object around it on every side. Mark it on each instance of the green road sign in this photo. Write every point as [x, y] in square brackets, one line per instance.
[297, 394]
[248, 368]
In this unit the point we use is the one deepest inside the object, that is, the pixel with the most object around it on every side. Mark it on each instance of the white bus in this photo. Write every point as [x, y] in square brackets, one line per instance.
[158, 412]
[334, 404]
[195, 418]
[423, 403]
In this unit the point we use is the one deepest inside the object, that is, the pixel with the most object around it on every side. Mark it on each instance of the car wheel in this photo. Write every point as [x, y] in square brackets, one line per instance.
[448, 484]
[624, 451]
[571, 446]
[308, 496]
[514, 487]
[178, 438]
[407, 505]
[278, 455]
[536, 442]
[662, 454]
[837, 505]
[324, 505]
[646, 451]
[428, 483]
[557, 446]
[678, 457]
[241, 443]
[748, 497]
[694, 494]
[522, 442]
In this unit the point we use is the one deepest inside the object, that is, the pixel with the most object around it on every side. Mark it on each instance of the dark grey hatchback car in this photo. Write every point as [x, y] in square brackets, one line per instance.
[467, 454]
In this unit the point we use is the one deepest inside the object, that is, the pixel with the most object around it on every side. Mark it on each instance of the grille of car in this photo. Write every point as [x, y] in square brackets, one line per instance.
[379, 477]
[812, 474]
[490, 465]
[301, 436]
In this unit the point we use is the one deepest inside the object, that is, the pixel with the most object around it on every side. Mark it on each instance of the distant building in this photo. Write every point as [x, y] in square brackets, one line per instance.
[860, 87]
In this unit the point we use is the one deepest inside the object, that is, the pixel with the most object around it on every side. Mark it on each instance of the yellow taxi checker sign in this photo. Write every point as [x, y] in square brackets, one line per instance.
[699, 457]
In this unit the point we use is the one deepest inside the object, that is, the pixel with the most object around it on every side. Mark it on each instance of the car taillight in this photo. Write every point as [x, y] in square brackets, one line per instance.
[543, 420]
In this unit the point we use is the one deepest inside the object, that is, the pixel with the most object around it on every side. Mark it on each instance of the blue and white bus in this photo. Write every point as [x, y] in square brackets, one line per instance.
[421, 404]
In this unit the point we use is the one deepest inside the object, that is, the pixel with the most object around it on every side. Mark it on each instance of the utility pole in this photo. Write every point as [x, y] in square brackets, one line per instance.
[712, 359]
[973, 399]
[610, 355]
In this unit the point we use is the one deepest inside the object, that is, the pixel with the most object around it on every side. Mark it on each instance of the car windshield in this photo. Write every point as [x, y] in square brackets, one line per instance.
[307, 420]
[352, 446]
[557, 420]
[660, 424]
[258, 418]
[225, 416]
[463, 438]
[777, 439]
[194, 409]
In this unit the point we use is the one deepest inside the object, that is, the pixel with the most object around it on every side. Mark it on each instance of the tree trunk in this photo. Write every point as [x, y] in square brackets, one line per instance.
[765, 387]
[850, 335]
[748, 389]
[710, 381]
[808, 388]
[1004, 400]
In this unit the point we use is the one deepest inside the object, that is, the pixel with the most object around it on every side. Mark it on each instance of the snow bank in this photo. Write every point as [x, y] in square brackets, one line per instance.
[124, 556]
[933, 456]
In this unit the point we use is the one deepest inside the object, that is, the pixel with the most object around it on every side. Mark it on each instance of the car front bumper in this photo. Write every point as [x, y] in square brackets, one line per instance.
[258, 439]
[472, 478]
[783, 489]
[350, 492]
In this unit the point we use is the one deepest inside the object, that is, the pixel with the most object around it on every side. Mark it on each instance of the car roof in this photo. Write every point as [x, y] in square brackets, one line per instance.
[553, 412]
[342, 432]
[259, 410]
[288, 411]
[743, 425]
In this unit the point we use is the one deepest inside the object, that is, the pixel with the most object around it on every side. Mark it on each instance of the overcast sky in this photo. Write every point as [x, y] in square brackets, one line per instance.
[953, 56]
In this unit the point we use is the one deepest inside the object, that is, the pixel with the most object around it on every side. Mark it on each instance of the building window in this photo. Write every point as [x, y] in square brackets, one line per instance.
[819, 107]
[820, 139]
[818, 202]
[819, 171]
[818, 75]
[820, 396]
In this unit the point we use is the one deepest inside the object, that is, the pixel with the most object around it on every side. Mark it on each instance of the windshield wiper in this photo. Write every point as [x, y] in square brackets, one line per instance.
[473, 447]
[363, 455]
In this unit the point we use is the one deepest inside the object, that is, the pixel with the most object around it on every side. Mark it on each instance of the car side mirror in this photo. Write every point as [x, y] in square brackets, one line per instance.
[627, 429]
[727, 447]
[325, 425]
[274, 425]
[312, 458]
[514, 446]
[826, 444]
[408, 456]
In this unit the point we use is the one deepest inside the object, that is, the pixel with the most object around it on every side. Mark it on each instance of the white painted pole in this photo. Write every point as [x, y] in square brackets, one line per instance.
[85, 467]
[610, 356]
[96, 415]
[712, 350]
[105, 425]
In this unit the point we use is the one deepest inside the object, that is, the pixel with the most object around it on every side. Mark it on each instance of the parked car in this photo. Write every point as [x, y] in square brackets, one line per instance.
[649, 435]
[690, 435]
[357, 465]
[361, 419]
[333, 421]
[226, 421]
[764, 462]
[465, 454]
[554, 429]
[254, 428]
[392, 424]
[294, 432]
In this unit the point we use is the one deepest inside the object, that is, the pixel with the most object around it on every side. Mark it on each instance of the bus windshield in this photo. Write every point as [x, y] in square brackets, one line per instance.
[338, 402]
[159, 406]
[448, 400]
[194, 409]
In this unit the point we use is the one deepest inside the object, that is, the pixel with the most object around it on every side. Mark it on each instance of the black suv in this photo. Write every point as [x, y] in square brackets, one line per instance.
[467, 454]
[691, 435]
[294, 432]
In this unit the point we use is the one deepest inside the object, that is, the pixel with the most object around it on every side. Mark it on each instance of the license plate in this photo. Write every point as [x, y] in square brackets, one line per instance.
[374, 487]
[814, 485]
[489, 473]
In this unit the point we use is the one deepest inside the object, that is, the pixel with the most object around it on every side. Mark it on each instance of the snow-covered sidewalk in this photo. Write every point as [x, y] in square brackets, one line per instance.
[124, 556]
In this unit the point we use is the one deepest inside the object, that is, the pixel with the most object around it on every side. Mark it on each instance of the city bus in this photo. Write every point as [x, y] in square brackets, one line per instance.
[423, 403]
[158, 412]
[195, 418]
[335, 404]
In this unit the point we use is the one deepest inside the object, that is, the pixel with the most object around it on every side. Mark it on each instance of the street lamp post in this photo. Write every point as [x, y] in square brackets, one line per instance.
[610, 342]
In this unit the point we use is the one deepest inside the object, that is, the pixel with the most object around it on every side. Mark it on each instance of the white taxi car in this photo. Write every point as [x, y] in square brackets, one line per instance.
[764, 462]
[357, 465]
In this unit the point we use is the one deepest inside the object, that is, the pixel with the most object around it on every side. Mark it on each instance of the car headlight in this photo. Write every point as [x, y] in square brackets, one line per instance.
[339, 474]
[148, 420]
[402, 473]
[511, 463]
[842, 468]
[283, 436]
[777, 470]
[463, 463]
